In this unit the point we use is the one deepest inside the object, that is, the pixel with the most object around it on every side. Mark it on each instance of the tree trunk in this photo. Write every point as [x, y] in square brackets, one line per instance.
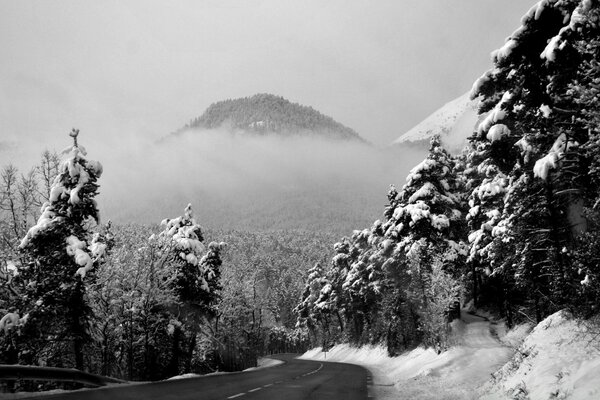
[174, 364]
[340, 321]
[474, 273]
[77, 327]
[190, 352]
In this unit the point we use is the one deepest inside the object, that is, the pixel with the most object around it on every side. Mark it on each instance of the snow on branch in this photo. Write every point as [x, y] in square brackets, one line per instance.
[497, 132]
[498, 113]
[74, 174]
[551, 160]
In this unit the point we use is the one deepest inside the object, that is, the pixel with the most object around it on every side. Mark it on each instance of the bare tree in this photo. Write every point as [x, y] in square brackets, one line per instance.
[48, 170]
[28, 196]
[8, 197]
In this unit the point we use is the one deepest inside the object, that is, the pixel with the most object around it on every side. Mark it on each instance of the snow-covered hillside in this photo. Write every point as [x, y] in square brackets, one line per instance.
[425, 374]
[559, 359]
[454, 121]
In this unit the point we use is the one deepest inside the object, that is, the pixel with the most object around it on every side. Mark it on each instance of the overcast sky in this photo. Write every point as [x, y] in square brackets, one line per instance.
[143, 68]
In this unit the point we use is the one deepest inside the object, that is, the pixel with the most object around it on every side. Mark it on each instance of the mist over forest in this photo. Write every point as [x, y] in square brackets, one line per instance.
[245, 181]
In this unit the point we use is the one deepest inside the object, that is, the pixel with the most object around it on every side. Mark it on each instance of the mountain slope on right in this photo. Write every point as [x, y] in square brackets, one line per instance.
[454, 122]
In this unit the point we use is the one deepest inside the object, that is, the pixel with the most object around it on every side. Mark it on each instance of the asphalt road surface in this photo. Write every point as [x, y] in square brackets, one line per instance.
[293, 380]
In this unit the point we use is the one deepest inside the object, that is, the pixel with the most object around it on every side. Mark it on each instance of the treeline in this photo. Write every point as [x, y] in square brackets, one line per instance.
[133, 301]
[511, 224]
[268, 113]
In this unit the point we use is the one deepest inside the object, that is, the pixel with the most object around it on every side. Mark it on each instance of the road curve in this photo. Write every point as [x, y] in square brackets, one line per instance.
[293, 380]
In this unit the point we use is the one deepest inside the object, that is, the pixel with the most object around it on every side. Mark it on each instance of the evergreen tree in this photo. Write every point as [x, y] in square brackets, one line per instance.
[309, 314]
[196, 281]
[430, 210]
[62, 255]
[425, 224]
[333, 299]
[364, 284]
[534, 168]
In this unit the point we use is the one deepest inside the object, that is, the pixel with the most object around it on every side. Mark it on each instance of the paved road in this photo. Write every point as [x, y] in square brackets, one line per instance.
[293, 380]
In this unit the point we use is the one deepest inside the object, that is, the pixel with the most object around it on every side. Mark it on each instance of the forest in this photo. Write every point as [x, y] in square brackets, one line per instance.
[146, 302]
[263, 113]
[510, 225]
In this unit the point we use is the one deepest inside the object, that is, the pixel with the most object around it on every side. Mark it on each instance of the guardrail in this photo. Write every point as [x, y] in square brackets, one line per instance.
[34, 373]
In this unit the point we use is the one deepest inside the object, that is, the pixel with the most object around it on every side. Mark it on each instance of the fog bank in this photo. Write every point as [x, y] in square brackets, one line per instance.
[242, 181]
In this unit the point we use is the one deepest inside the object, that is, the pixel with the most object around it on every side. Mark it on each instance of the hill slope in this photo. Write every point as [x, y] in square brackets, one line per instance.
[423, 373]
[263, 113]
[454, 121]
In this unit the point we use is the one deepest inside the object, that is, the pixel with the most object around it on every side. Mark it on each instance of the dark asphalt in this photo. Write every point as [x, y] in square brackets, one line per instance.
[293, 380]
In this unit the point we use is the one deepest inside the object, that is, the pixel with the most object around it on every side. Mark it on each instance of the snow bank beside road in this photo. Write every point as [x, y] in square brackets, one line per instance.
[560, 359]
[424, 374]
[265, 362]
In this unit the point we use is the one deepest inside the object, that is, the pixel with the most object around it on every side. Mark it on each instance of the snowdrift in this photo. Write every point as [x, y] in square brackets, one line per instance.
[559, 359]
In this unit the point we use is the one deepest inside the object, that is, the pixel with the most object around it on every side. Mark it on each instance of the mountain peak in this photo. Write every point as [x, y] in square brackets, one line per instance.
[267, 113]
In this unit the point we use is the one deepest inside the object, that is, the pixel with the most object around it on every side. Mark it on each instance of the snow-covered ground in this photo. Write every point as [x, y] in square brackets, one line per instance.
[265, 362]
[424, 374]
[559, 359]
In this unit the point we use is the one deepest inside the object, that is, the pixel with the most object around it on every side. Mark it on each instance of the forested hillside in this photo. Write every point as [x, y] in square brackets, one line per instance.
[263, 113]
[511, 223]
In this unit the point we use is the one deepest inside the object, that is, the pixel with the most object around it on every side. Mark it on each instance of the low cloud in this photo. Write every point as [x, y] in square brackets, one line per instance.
[238, 180]
[246, 181]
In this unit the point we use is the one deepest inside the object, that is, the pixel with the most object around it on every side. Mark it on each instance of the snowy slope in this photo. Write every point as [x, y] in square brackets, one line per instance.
[454, 121]
[424, 374]
[560, 359]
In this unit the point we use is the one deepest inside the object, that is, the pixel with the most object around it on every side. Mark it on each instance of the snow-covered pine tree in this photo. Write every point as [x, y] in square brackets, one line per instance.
[308, 314]
[488, 186]
[210, 267]
[365, 283]
[62, 255]
[430, 209]
[196, 280]
[544, 78]
[524, 101]
[427, 223]
[333, 299]
[182, 242]
[570, 169]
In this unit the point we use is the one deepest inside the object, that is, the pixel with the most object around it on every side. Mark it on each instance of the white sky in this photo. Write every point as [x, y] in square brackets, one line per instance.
[144, 68]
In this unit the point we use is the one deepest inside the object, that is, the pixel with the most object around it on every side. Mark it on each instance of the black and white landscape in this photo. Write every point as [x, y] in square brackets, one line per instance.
[304, 200]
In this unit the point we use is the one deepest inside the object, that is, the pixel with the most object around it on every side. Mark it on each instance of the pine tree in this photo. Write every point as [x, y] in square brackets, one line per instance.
[196, 280]
[333, 299]
[430, 209]
[196, 276]
[572, 164]
[365, 283]
[520, 225]
[308, 313]
[62, 256]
